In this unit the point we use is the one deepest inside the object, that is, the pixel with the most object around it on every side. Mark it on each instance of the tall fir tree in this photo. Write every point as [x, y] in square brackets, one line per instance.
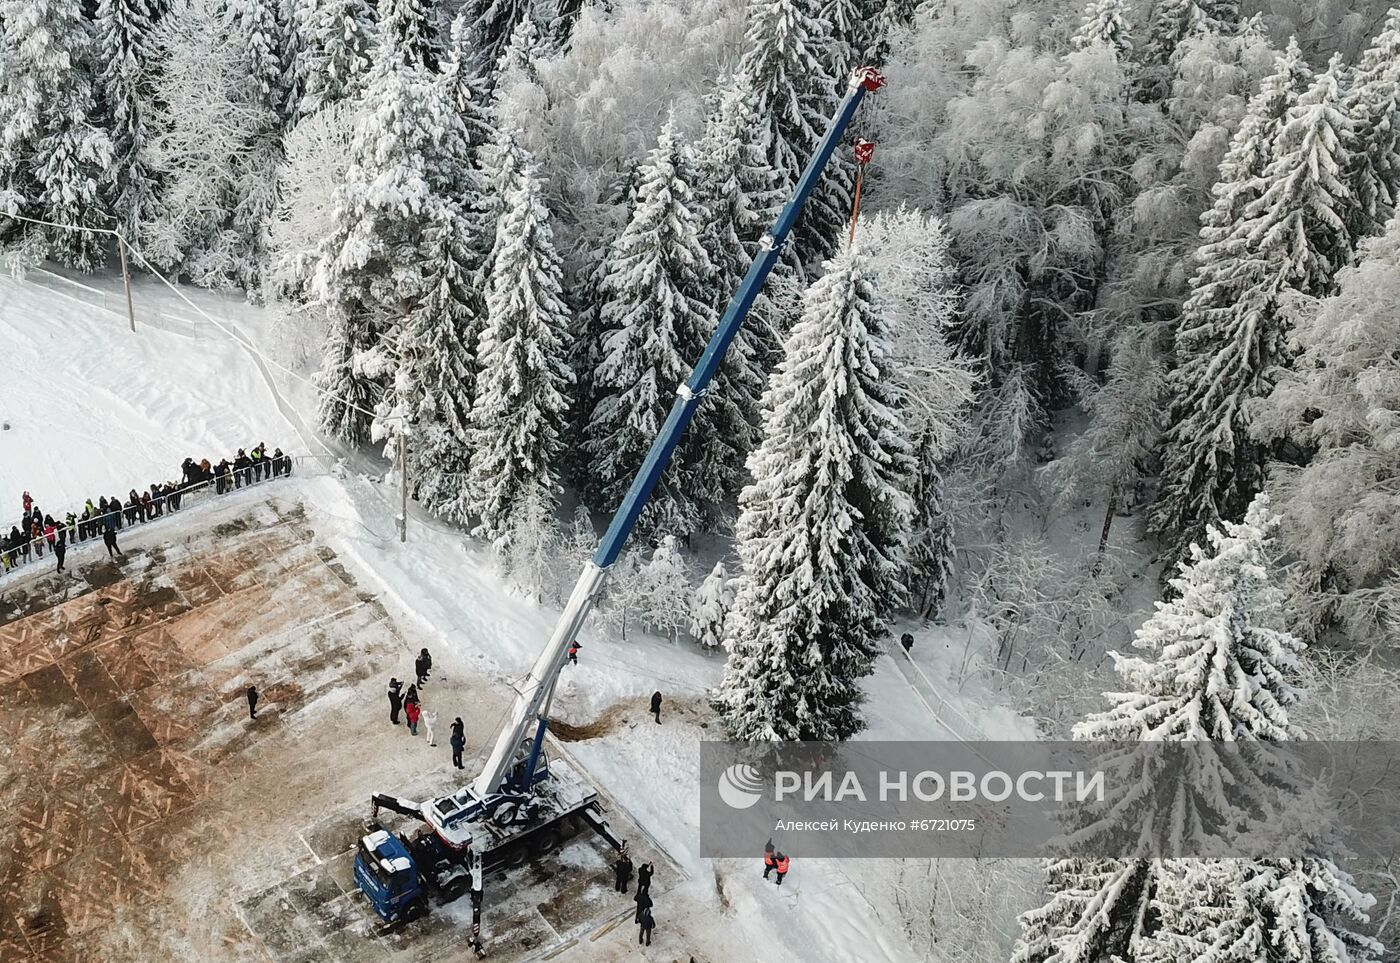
[823, 526]
[795, 94]
[1105, 22]
[1373, 148]
[123, 45]
[55, 154]
[265, 38]
[441, 334]
[408, 157]
[408, 26]
[736, 188]
[334, 53]
[517, 418]
[1172, 21]
[656, 314]
[490, 24]
[1232, 330]
[711, 608]
[1216, 665]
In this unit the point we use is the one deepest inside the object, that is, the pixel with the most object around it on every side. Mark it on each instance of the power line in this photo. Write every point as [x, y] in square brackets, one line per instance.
[235, 335]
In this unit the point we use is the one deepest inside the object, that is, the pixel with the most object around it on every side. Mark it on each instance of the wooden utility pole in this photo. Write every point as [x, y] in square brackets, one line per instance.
[403, 483]
[126, 282]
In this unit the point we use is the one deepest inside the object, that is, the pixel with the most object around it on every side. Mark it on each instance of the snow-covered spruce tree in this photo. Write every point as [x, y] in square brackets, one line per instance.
[823, 526]
[55, 155]
[336, 43]
[123, 40]
[656, 314]
[795, 95]
[710, 609]
[738, 191]
[490, 24]
[441, 336]
[517, 417]
[408, 158]
[1172, 22]
[266, 40]
[1216, 666]
[1373, 149]
[409, 29]
[665, 590]
[1231, 330]
[1339, 399]
[1105, 22]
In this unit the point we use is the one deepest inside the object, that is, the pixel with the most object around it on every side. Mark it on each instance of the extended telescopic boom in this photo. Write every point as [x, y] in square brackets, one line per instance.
[531, 706]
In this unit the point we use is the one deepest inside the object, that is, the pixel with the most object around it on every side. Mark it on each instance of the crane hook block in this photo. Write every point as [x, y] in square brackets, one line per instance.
[869, 78]
[865, 150]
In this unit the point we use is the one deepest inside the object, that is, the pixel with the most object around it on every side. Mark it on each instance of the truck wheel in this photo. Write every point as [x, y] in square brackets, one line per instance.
[547, 842]
[517, 855]
[416, 910]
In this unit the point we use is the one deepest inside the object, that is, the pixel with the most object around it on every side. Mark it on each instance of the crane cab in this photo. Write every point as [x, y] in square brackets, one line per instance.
[385, 873]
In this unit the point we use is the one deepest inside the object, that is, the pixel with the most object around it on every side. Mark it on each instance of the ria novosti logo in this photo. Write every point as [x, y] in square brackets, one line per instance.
[740, 786]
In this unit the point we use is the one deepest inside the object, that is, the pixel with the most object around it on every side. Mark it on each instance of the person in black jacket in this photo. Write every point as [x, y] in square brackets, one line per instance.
[395, 699]
[644, 874]
[422, 665]
[656, 706]
[645, 924]
[242, 470]
[221, 479]
[60, 547]
[622, 871]
[643, 901]
[459, 742]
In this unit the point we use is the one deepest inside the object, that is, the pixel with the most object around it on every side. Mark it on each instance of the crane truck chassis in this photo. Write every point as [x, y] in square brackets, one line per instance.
[521, 804]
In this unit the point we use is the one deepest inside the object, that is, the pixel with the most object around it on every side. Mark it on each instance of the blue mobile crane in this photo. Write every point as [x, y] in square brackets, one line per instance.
[521, 804]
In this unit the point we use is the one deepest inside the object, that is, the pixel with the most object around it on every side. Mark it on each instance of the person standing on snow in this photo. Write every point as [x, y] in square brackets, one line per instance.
[459, 742]
[60, 547]
[428, 719]
[411, 711]
[780, 863]
[622, 870]
[395, 699]
[768, 861]
[28, 503]
[109, 535]
[644, 874]
[643, 901]
[422, 665]
[656, 706]
[573, 652]
[907, 641]
[252, 702]
[645, 924]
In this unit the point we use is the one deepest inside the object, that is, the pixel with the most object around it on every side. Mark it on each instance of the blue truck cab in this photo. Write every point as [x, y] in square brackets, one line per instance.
[385, 872]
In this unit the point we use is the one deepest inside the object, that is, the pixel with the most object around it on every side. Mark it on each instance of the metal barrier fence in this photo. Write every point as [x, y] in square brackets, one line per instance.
[27, 556]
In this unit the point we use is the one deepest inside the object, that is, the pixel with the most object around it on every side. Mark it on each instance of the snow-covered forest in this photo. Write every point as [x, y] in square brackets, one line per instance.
[1111, 357]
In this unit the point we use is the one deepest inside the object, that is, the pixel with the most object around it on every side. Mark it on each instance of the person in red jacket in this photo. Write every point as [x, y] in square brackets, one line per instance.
[780, 863]
[412, 711]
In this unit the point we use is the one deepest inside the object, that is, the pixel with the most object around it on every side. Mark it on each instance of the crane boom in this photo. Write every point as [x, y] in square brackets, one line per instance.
[532, 704]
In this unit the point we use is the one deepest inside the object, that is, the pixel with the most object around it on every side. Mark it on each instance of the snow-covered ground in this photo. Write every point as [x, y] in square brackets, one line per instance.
[105, 409]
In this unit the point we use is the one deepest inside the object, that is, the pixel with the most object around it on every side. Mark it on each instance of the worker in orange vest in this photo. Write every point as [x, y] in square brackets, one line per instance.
[769, 863]
[780, 863]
